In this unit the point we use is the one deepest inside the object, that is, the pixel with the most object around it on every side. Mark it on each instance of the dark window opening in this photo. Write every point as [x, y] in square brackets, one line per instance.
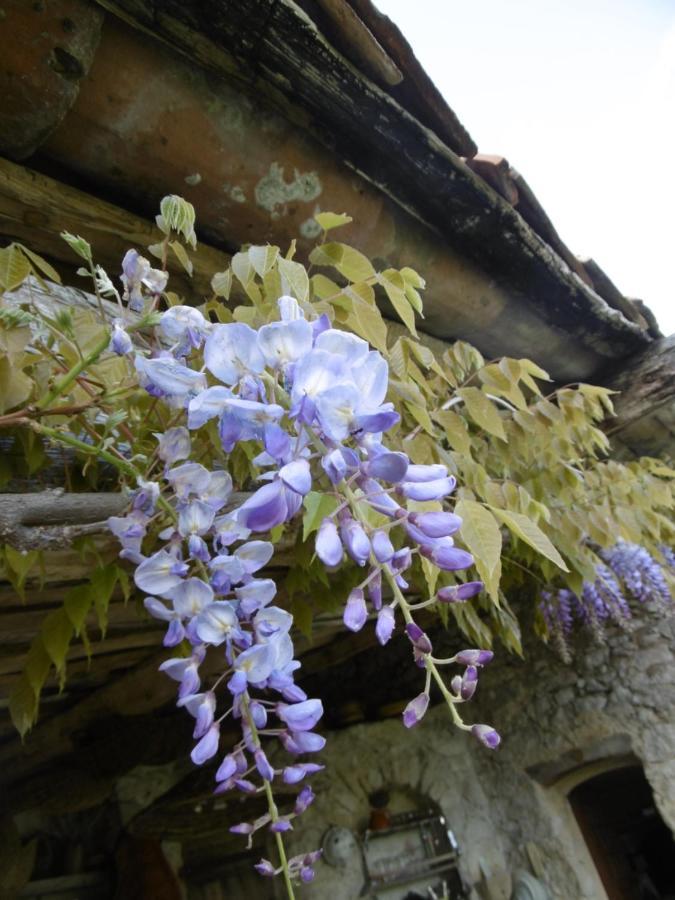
[631, 845]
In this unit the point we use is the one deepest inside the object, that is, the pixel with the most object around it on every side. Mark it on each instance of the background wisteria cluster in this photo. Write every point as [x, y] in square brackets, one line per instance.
[626, 574]
[313, 399]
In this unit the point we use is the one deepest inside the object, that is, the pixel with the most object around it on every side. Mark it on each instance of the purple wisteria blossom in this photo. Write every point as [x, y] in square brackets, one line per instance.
[309, 403]
[625, 573]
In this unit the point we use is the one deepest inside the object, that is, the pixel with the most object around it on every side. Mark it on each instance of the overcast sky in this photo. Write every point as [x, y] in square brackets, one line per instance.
[579, 96]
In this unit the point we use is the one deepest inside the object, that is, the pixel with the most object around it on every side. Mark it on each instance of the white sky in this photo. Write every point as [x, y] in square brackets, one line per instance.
[579, 96]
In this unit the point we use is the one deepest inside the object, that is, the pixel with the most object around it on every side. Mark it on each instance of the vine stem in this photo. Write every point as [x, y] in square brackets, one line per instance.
[64, 438]
[271, 805]
[61, 386]
[430, 665]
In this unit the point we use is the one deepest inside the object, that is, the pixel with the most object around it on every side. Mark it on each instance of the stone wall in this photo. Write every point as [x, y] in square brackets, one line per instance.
[560, 724]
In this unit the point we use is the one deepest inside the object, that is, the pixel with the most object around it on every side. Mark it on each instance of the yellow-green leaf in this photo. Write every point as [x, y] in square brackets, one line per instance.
[41, 264]
[14, 267]
[263, 258]
[317, 507]
[348, 261]
[323, 287]
[455, 430]
[527, 531]
[483, 411]
[422, 417]
[399, 301]
[181, 255]
[23, 706]
[330, 220]
[57, 631]
[481, 534]
[77, 602]
[294, 279]
[365, 319]
[242, 268]
[221, 284]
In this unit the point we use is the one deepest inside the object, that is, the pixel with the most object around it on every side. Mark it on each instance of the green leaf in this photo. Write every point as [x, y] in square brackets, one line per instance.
[41, 264]
[366, 320]
[398, 299]
[411, 277]
[20, 562]
[455, 430]
[77, 603]
[431, 573]
[302, 616]
[263, 258]
[317, 508]
[527, 531]
[78, 245]
[348, 261]
[181, 255]
[221, 284]
[177, 214]
[103, 583]
[482, 536]
[57, 631]
[482, 410]
[37, 665]
[14, 267]
[242, 268]
[421, 416]
[15, 386]
[414, 300]
[294, 279]
[23, 706]
[329, 220]
[323, 287]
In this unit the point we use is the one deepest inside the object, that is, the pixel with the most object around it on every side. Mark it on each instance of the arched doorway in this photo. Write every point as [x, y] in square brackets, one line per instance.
[631, 846]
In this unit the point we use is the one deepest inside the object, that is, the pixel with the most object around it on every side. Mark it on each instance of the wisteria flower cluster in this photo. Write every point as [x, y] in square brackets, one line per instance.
[313, 399]
[627, 573]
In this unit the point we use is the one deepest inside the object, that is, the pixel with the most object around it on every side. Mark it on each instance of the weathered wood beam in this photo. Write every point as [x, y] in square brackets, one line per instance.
[644, 424]
[35, 209]
[358, 42]
[275, 47]
[49, 519]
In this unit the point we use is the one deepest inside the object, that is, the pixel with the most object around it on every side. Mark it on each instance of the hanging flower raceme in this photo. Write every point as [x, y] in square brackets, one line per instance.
[313, 398]
[626, 573]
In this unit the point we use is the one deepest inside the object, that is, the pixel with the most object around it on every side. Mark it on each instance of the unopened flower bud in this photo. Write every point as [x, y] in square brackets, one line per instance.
[436, 524]
[486, 735]
[416, 472]
[385, 624]
[382, 546]
[458, 593]
[262, 765]
[446, 556]
[265, 867]
[418, 637]
[355, 614]
[469, 683]
[375, 590]
[304, 799]
[427, 490]
[474, 657]
[355, 540]
[328, 544]
[415, 710]
[387, 466]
